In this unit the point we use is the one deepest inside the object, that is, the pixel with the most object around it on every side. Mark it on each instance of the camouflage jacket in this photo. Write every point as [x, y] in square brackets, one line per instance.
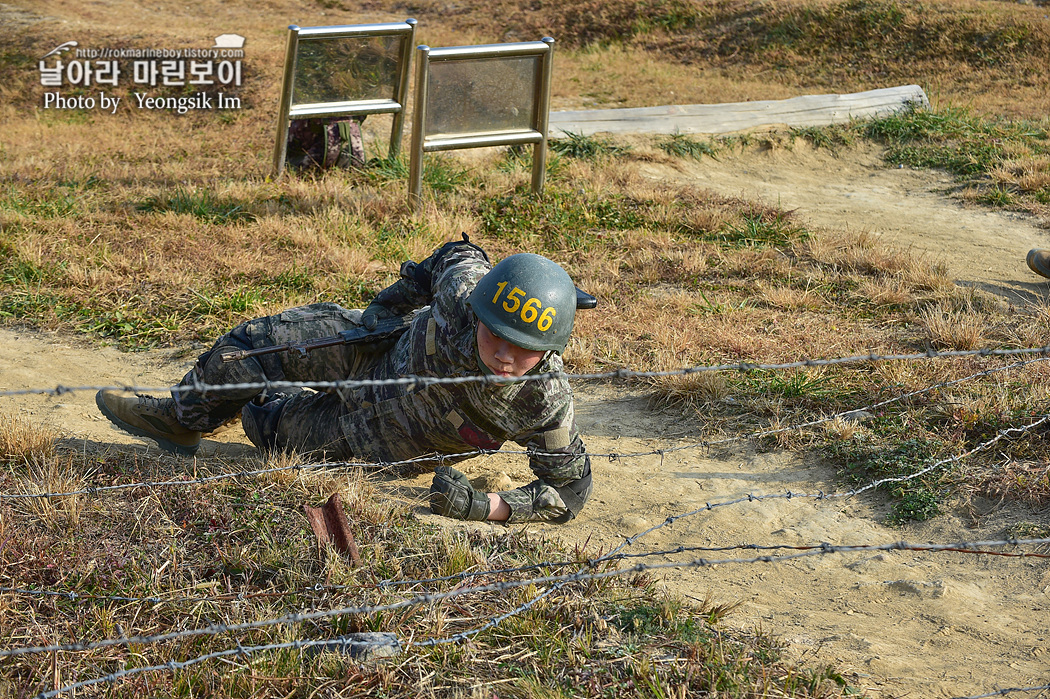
[397, 421]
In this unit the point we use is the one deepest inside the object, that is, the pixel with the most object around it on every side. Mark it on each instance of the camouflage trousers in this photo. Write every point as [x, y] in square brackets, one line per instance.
[309, 420]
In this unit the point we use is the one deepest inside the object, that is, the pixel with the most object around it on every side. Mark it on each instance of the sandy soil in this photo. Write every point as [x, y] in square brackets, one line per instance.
[897, 623]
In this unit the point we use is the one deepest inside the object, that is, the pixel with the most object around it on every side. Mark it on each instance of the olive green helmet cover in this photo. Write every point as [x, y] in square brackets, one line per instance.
[528, 300]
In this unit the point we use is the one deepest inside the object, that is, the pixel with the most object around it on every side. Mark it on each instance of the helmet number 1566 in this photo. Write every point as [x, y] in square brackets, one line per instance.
[532, 311]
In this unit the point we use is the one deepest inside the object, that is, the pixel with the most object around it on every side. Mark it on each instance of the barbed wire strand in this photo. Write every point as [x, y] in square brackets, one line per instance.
[631, 540]
[322, 588]
[706, 444]
[742, 367]
[1002, 434]
[299, 644]
[503, 586]
[418, 381]
[670, 520]
[215, 629]
[560, 580]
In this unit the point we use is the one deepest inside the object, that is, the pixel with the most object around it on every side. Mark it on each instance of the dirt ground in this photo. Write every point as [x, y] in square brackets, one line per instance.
[898, 623]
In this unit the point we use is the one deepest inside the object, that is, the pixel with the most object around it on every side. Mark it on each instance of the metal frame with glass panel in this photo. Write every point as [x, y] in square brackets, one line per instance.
[351, 70]
[477, 96]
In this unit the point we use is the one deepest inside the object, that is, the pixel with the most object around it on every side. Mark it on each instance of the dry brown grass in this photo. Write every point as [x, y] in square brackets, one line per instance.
[953, 329]
[53, 474]
[1028, 482]
[23, 441]
[787, 298]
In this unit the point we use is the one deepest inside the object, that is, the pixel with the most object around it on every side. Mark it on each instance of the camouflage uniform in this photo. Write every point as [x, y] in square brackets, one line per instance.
[394, 422]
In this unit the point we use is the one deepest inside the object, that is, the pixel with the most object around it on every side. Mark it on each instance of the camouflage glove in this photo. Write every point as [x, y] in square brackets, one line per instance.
[540, 501]
[452, 495]
[398, 299]
[415, 287]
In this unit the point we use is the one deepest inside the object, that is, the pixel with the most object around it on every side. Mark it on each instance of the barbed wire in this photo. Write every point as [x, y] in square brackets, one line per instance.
[564, 579]
[173, 665]
[1002, 434]
[614, 554]
[559, 581]
[629, 541]
[419, 381]
[73, 596]
[750, 498]
[504, 586]
[241, 650]
[337, 642]
[705, 444]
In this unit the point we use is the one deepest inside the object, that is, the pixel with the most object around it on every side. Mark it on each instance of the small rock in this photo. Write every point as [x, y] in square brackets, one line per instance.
[363, 647]
[856, 416]
[493, 483]
[633, 524]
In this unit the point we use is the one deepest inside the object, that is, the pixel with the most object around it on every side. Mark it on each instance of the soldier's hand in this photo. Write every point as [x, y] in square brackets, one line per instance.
[452, 495]
[374, 313]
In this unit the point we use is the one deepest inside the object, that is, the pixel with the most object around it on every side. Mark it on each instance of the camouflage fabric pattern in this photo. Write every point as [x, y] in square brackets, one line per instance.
[396, 422]
[536, 501]
[325, 142]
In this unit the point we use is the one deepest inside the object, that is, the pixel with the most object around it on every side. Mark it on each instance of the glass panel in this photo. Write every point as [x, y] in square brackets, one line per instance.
[343, 69]
[481, 94]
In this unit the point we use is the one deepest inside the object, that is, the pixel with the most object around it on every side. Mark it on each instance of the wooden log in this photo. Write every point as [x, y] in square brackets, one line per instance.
[809, 110]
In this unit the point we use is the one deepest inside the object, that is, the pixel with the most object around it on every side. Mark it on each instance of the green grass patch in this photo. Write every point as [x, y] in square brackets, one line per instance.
[761, 229]
[386, 169]
[996, 196]
[200, 203]
[443, 175]
[962, 143]
[830, 137]
[21, 273]
[915, 499]
[683, 146]
[582, 147]
[560, 219]
[56, 204]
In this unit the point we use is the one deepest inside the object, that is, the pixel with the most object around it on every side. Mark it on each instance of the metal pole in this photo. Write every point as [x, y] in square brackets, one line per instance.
[415, 165]
[542, 118]
[280, 149]
[402, 88]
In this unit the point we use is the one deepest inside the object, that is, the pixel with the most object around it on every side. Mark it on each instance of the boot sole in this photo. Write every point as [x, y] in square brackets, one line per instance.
[1033, 264]
[165, 444]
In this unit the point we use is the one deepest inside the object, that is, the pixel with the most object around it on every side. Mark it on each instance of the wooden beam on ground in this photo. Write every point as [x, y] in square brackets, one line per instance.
[810, 110]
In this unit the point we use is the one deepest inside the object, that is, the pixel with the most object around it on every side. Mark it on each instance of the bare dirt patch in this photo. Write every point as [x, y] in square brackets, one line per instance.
[897, 623]
[854, 190]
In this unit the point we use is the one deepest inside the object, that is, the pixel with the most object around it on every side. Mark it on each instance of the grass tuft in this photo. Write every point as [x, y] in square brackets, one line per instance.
[25, 442]
[581, 147]
[952, 329]
[682, 146]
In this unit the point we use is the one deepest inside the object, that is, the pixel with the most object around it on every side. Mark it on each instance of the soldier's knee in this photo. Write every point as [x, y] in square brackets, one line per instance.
[260, 422]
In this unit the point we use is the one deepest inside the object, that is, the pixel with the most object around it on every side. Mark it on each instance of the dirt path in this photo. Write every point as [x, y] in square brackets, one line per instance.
[854, 191]
[898, 624]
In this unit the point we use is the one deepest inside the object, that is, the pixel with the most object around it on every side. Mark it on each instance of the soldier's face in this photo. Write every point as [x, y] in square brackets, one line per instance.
[505, 358]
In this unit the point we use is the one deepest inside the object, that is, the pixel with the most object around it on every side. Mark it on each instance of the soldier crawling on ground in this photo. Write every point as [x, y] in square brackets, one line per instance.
[470, 318]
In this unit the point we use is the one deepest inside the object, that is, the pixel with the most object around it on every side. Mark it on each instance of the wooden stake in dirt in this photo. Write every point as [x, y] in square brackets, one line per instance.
[330, 525]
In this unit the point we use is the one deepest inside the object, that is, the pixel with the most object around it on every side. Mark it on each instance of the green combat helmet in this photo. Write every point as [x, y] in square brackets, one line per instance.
[528, 300]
